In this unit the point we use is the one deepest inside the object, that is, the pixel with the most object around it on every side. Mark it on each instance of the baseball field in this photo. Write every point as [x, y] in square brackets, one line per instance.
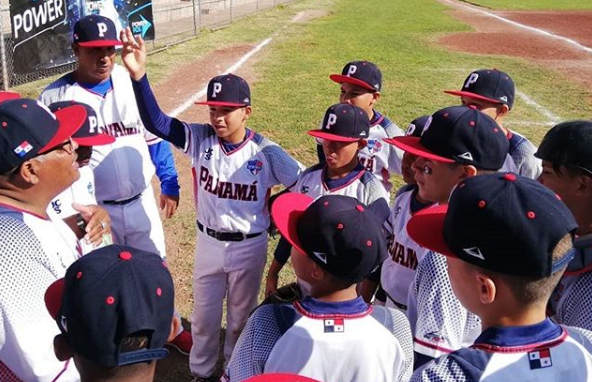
[422, 47]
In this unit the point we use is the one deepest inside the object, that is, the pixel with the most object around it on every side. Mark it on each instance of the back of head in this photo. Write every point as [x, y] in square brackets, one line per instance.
[568, 144]
[114, 307]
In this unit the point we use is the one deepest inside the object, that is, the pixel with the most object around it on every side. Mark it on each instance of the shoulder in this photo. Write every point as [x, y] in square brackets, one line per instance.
[369, 179]
[404, 189]
[312, 169]
[56, 88]
[462, 365]
[280, 316]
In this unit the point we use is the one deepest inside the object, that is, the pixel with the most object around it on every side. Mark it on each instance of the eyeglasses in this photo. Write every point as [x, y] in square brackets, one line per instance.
[67, 146]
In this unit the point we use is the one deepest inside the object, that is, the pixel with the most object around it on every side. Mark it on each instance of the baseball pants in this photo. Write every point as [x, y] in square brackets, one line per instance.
[223, 269]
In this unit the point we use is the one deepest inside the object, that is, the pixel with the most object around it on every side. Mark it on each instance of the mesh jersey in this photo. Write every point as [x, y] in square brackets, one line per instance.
[398, 270]
[522, 152]
[439, 322]
[545, 352]
[330, 342]
[571, 301]
[122, 169]
[365, 187]
[34, 254]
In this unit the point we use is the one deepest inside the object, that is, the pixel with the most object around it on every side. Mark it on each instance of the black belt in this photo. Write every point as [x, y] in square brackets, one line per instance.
[124, 201]
[398, 305]
[226, 236]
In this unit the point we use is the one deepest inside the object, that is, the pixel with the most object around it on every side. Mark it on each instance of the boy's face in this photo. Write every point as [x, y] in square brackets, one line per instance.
[302, 264]
[230, 122]
[436, 180]
[340, 154]
[406, 168]
[358, 96]
[561, 183]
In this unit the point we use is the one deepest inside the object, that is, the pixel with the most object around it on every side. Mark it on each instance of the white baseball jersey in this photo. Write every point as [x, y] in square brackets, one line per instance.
[398, 270]
[522, 153]
[82, 192]
[326, 341]
[35, 253]
[543, 352]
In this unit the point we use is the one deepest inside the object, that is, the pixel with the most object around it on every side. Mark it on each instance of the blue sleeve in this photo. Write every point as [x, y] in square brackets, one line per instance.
[155, 121]
[163, 160]
[282, 251]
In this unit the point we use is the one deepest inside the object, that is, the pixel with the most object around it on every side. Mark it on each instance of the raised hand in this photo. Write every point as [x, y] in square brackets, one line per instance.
[133, 53]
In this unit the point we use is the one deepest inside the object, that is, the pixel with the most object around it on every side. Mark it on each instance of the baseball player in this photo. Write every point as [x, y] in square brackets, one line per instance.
[37, 162]
[492, 91]
[332, 335]
[82, 192]
[343, 134]
[566, 151]
[234, 169]
[361, 82]
[458, 143]
[507, 241]
[398, 270]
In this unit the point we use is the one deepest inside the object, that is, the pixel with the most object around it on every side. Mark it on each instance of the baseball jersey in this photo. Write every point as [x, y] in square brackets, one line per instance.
[378, 157]
[571, 301]
[82, 192]
[35, 253]
[398, 270]
[543, 352]
[439, 322]
[522, 152]
[326, 341]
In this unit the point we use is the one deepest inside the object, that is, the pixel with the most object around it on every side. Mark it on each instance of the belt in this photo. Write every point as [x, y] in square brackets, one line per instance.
[124, 201]
[398, 305]
[226, 236]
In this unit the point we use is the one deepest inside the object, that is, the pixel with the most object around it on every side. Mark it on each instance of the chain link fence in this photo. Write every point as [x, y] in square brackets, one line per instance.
[174, 21]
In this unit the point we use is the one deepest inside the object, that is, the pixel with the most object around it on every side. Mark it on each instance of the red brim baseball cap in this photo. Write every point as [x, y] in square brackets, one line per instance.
[280, 377]
[413, 146]
[53, 297]
[5, 96]
[319, 133]
[286, 211]
[426, 227]
[472, 95]
[70, 119]
[95, 140]
[340, 78]
[220, 103]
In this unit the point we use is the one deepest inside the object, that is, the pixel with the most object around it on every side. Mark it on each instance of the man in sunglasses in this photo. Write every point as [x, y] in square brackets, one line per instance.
[37, 162]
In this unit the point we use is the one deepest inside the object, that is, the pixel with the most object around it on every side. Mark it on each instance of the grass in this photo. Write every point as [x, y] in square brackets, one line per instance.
[526, 5]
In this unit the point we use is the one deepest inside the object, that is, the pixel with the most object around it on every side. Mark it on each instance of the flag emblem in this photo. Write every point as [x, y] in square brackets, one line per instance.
[254, 166]
[334, 325]
[540, 359]
[22, 149]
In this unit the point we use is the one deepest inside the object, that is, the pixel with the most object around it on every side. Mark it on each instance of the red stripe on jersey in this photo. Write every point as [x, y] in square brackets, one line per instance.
[520, 349]
[306, 313]
[345, 185]
[432, 346]
[247, 139]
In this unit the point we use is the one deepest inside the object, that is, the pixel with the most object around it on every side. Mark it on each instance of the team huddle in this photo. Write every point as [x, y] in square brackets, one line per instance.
[477, 269]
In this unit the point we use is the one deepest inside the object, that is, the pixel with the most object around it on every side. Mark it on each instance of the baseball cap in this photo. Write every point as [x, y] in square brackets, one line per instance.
[280, 377]
[29, 128]
[489, 85]
[5, 96]
[460, 134]
[328, 230]
[568, 144]
[228, 90]
[361, 73]
[109, 294]
[415, 128]
[95, 31]
[88, 134]
[344, 123]
[501, 222]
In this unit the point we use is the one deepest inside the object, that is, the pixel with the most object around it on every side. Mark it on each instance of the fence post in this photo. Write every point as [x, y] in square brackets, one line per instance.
[231, 6]
[194, 18]
[5, 78]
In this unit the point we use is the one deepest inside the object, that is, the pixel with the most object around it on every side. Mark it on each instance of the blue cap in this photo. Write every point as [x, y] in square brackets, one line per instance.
[227, 90]
[415, 128]
[489, 85]
[95, 31]
[344, 123]
[88, 134]
[361, 73]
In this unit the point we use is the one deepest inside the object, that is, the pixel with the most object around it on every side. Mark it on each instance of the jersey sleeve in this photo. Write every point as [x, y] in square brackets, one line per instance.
[576, 308]
[283, 168]
[373, 190]
[164, 163]
[26, 328]
[396, 154]
[442, 324]
[443, 369]
[528, 165]
[54, 92]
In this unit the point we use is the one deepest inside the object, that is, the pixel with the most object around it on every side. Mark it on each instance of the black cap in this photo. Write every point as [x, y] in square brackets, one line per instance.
[568, 144]
[344, 123]
[415, 128]
[88, 134]
[228, 90]
[361, 73]
[489, 85]
[95, 31]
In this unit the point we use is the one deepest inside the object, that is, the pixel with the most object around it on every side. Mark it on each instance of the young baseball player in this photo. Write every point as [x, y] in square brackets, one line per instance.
[566, 151]
[37, 162]
[458, 143]
[332, 335]
[398, 270]
[114, 309]
[234, 169]
[343, 134]
[492, 91]
[507, 241]
[361, 82]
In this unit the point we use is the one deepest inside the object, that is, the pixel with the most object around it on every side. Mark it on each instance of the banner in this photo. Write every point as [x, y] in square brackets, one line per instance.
[42, 29]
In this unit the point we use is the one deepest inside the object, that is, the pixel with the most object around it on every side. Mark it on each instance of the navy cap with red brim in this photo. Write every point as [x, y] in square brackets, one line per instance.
[53, 297]
[426, 227]
[100, 43]
[472, 95]
[413, 146]
[285, 212]
[320, 133]
[340, 78]
[220, 103]
[70, 119]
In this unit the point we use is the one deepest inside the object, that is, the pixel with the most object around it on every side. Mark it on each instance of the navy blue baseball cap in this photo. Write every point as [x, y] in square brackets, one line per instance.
[95, 31]
[459, 134]
[88, 134]
[344, 123]
[28, 128]
[328, 231]
[501, 222]
[489, 85]
[361, 73]
[228, 90]
[415, 128]
[568, 144]
[112, 293]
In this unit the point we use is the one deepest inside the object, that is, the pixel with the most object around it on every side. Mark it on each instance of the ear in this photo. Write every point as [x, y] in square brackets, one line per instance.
[175, 326]
[317, 272]
[248, 112]
[362, 143]
[375, 98]
[469, 171]
[487, 290]
[29, 171]
[61, 348]
[584, 184]
[502, 110]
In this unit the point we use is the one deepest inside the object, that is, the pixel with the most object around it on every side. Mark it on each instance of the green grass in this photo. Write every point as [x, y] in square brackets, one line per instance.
[535, 4]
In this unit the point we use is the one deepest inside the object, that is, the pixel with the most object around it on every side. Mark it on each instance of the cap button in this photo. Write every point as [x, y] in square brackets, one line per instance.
[125, 256]
[510, 177]
[473, 107]
[359, 208]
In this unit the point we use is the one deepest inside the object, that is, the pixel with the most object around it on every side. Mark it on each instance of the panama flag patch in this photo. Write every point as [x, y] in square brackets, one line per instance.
[334, 325]
[22, 149]
[540, 359]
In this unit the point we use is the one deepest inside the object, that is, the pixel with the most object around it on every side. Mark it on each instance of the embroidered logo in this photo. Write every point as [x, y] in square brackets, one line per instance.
[475, 252]
[208, 153]
[434, 337]
[321, 256]
[467, 156]
[374, 146]
[304, 190]
[254, 166]
[426, 126]
[504, 99]
[335, 325]
[22, 149]
[540, 359]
